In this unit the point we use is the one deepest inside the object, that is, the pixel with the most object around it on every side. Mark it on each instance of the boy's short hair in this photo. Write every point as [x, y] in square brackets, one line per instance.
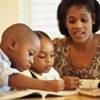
[18, 30]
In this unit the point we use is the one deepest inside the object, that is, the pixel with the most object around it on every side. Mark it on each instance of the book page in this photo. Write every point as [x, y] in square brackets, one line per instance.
[60, 93]
[89, 83]
[18, 94]
[15, 94]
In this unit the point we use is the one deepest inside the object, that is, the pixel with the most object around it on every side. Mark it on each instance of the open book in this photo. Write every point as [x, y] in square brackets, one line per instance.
[87, 87]
[22, 93]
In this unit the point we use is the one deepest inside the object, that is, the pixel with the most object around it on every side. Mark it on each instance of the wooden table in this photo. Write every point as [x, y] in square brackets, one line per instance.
[70, 97]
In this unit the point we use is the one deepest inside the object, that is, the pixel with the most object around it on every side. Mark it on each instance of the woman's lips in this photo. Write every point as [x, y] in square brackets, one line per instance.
[79, 34]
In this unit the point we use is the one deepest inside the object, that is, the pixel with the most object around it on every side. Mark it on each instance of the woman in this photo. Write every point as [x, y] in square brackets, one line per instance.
[78, 54]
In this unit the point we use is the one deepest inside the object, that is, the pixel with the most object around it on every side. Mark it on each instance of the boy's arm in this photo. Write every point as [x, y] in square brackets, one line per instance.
[19, 81]
[5, 71]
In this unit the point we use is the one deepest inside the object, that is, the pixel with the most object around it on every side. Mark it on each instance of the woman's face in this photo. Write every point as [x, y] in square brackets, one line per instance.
[79, 23]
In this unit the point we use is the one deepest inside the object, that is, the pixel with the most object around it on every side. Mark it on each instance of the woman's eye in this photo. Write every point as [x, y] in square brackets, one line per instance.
[72, 21]
[84, 20]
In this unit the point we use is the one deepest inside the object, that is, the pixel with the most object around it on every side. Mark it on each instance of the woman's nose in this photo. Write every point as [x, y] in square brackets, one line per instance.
[78, 24]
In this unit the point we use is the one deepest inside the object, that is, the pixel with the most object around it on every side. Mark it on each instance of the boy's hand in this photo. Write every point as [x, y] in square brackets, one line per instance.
[55, 85]
[71, 82]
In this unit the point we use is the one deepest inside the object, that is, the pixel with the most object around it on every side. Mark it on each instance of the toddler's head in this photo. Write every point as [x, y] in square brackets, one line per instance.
[45, 59]
[20, 44]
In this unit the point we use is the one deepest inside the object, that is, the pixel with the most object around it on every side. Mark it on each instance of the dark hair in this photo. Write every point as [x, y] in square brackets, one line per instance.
[92, 6]
[42, 34]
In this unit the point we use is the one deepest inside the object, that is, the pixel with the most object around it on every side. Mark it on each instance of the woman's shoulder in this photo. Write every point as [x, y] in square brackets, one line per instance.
[61, 41]
[98, 39]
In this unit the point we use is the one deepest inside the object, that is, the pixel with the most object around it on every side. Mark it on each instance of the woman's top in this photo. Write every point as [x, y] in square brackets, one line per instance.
[64, 66]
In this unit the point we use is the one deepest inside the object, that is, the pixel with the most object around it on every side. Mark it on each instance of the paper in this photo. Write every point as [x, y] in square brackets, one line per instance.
[23, 93]
[89, 83]
[89, 87]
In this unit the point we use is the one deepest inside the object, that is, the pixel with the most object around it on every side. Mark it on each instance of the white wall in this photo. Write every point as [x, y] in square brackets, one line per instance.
[43, 16]
[9, 13]
[40, 15]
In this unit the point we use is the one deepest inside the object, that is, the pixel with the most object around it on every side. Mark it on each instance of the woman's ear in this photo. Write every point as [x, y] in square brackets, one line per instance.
[12, 44]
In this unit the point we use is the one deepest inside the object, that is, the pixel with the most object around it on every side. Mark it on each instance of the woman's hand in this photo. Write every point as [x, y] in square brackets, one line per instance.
[71, 82]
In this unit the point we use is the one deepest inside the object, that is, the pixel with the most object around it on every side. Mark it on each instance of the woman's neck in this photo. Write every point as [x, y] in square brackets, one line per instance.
[84, 46]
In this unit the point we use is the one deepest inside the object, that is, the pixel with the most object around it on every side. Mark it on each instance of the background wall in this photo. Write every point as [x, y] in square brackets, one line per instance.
[12, 11]
[9, 13]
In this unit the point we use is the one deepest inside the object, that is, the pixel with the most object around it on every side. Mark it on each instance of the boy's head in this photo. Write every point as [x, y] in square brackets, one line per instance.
[20, 44]
[45, 59]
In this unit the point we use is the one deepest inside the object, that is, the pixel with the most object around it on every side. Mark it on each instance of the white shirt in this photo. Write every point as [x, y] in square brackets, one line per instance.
[5, 71]
[51, 75]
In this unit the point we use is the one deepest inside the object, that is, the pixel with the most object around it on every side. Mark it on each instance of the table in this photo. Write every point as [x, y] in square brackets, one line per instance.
[69, 97]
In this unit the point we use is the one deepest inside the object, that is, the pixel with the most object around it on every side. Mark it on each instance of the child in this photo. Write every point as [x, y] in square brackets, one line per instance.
[43, 62]
[19, 45]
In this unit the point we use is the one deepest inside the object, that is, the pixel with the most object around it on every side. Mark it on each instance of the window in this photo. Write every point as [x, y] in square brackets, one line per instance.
[40, 15]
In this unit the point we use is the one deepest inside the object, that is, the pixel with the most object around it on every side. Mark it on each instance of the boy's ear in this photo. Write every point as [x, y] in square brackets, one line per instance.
[12, 44]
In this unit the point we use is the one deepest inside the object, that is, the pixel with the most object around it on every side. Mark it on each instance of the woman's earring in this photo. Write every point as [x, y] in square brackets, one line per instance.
[93, 22]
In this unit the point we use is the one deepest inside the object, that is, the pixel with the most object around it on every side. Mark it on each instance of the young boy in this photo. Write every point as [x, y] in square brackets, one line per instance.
[42, 67]
[19, 45]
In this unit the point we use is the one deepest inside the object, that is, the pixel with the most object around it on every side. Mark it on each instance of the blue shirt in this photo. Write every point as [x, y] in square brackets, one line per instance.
[5, 71]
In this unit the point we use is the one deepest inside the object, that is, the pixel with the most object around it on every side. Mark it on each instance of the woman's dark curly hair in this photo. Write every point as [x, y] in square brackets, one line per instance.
[92, 6]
